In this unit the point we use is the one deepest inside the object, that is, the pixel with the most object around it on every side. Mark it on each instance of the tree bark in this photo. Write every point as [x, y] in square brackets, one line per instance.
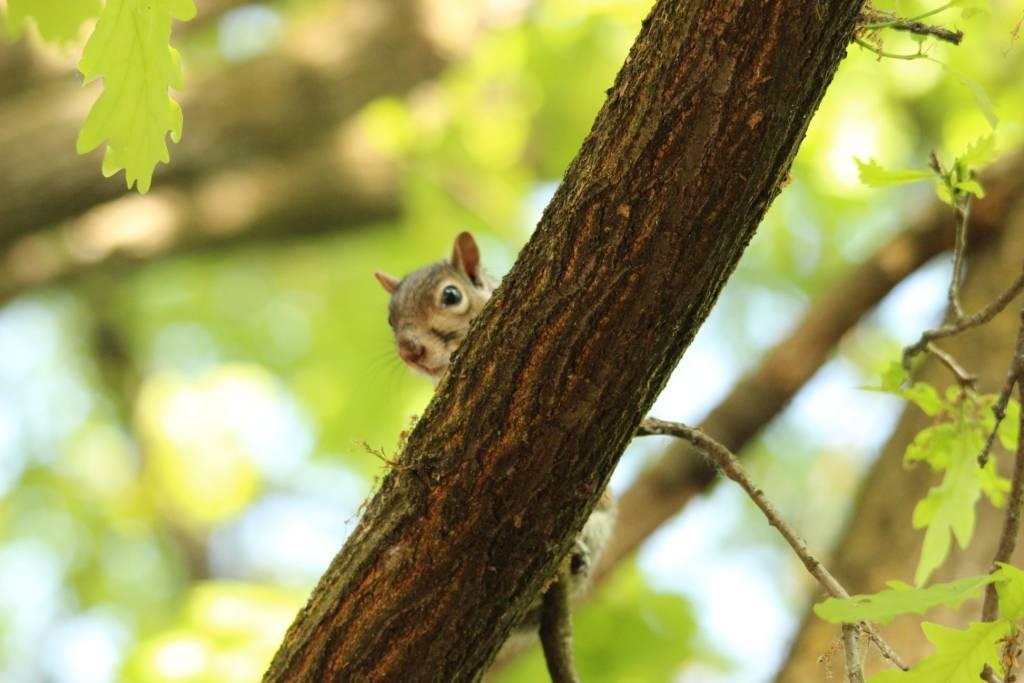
[695, 138]
[880, 544]
[679, 474]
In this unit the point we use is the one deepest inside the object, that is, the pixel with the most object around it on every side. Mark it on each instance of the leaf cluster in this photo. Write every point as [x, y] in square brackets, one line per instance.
[953, 185]
[963, 420]
[959, 656]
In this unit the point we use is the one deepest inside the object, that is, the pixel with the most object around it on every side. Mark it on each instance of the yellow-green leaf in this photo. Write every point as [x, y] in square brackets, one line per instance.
[981, 151]
[949, 507]
[971, 186]
[959, 656]
[58, 21]
[900, 599]
[873, 175]
[1011, 591]
[130, 50]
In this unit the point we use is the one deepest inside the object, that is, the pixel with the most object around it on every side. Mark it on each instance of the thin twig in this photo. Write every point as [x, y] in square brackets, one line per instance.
[890, 55]
[999, 408]
[963, 377]
[962, 210]
[730, 467]
[988, 675]
[851, 643]
[918, 28]
[967, 322]
[876, 20]
[1011, 525]
[556, 633]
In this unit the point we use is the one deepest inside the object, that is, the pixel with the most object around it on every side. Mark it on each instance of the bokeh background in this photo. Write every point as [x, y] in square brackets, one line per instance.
[186, 377]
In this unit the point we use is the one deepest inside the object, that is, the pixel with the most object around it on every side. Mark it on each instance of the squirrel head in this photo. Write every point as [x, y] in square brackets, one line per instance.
[431, 308]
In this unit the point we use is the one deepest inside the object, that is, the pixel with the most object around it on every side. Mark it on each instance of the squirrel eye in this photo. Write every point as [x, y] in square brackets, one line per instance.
[450, 296]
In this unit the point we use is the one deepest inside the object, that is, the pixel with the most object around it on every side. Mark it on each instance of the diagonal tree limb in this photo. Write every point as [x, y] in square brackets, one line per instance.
[518, 443]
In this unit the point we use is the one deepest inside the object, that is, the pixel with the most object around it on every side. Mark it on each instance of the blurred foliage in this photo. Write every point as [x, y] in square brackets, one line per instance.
[177, 441]
[657, 629]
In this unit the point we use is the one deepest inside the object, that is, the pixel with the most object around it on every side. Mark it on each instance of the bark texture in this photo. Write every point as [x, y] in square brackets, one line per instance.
[679, 474]
[692, 144]
[880, 544]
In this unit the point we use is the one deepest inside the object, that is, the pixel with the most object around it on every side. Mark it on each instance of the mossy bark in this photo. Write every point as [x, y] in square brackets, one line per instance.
[694, 141]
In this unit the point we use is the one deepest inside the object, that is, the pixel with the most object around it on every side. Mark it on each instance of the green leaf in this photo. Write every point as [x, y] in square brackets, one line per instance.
[893, 378]
[1009, 429]
[949, 507]
[959, 656]
[924, 396]
[993, 486]
[971, 186]
[980, 152]
[1011, 591]
[944, 194]
[932, 445]
[58, 21]
[130, 50]
[873, 175]
[900, 599]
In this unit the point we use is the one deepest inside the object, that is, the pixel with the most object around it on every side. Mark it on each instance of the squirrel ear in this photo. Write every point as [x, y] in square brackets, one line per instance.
[466, 255]
[388, 282]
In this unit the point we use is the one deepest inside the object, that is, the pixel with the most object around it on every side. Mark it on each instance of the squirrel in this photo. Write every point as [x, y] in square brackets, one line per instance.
[429, 313]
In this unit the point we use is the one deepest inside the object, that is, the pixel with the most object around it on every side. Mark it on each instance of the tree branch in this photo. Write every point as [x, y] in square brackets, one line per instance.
[966, 322]
[556, 633]
[1015, 504]
[990, 676]
[851, 645]
[336, 186]
[546, 391]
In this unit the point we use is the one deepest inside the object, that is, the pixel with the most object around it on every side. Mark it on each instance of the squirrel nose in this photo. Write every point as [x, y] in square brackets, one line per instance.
[410, 350]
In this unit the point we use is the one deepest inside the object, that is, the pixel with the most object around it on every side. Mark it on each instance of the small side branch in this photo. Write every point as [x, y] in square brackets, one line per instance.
[730, 466]
[556, 634]
[989, 675]
[967, 322]
[1015, 505]
[963, 377]
[962, 211]
[851, 644]
[921, 29]
[876, 20]
[999, 409]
